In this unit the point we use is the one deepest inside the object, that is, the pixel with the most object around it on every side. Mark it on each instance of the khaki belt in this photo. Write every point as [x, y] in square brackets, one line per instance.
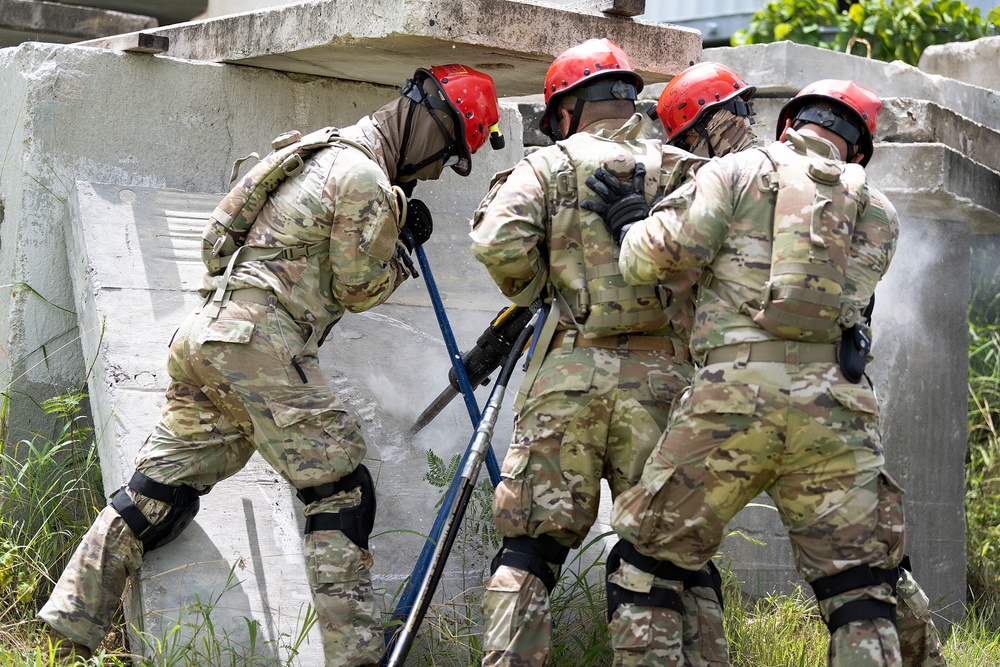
[251, 294]
[624, 341]
[778, 351]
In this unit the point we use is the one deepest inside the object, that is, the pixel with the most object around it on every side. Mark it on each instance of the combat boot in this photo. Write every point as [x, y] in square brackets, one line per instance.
[65, 649]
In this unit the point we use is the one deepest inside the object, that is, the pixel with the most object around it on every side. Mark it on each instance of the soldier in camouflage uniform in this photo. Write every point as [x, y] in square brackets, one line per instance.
[706, 110]
[774, 406]
[609, 359]
[718, 128]
[245, 371]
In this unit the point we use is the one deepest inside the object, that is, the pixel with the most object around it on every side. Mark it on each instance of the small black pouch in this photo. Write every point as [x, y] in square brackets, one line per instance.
[854, 347]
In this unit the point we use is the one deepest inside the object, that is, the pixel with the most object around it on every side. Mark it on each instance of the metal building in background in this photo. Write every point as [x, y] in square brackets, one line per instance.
[716, 19]
[719, 19]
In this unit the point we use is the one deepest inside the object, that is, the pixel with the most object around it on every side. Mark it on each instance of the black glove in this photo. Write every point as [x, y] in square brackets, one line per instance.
[622, 205]
[418, 225]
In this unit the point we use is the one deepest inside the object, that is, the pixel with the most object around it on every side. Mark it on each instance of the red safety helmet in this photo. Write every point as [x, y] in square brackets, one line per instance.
[575, 71]
[691, 95]
[860, 104]
[469, 97]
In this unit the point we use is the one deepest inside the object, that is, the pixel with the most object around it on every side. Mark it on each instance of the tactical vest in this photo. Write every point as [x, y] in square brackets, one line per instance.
[222, 240]
[815, 212]
[583, 261]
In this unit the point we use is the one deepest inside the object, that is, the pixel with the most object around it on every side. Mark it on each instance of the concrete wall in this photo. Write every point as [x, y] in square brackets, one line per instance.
[63, 120]
[972, 62]
[38, 332]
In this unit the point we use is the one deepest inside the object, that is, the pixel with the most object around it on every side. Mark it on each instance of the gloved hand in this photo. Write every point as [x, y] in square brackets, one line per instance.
[622, 205]
[418, 225]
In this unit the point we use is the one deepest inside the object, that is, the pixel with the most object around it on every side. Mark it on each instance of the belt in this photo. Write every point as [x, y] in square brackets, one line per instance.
[778, 351]
[251, 294]
[624, 341]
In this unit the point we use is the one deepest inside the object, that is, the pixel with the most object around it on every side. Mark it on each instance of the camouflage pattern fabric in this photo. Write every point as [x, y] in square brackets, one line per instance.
[726, 132]
[919, 640]
[591, 413]
[814, 216]
[341, 195]
[234, 390]
[737, 267]
[794, 427]
[648, 636]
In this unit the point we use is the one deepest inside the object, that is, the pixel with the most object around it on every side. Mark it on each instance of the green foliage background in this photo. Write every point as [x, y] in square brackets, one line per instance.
[895, 29]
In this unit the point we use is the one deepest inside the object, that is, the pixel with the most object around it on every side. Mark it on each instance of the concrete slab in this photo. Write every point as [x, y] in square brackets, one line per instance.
[136, 250]
[379, 40]
[907, 120]
[165, 12]
[973, 62]
[782, 69]
[34, 20]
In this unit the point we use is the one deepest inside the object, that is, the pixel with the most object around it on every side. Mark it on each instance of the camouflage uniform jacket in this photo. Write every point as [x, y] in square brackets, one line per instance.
[722, 220]
[341, 195]
[520, 235]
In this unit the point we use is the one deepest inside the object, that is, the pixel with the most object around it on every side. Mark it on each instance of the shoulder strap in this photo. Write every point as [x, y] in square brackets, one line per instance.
[229, 224]
[232, 219]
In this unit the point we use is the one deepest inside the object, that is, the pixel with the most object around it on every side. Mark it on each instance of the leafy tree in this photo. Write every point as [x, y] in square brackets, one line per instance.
[895, 29]
[797, 21]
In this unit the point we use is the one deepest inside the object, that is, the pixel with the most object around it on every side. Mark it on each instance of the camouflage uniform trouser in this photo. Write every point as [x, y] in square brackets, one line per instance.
[807, 437]
[591, 414]
[919, 641]
[233, 391]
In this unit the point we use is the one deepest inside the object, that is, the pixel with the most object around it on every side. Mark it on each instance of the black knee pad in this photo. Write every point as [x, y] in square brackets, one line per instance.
[656, 597]
[531, 554]
[184, 505]
[358, 522]
[860, 576]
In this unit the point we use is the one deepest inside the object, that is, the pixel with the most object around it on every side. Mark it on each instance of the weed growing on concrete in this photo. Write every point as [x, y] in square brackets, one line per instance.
[48, 498]
[195, 639]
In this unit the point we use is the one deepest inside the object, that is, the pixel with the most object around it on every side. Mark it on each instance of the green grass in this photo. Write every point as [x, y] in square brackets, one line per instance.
[48, 499]
[982, 500]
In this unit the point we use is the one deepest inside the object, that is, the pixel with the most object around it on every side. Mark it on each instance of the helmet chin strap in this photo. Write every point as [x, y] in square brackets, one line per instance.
[555, 132]
[615, 90]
